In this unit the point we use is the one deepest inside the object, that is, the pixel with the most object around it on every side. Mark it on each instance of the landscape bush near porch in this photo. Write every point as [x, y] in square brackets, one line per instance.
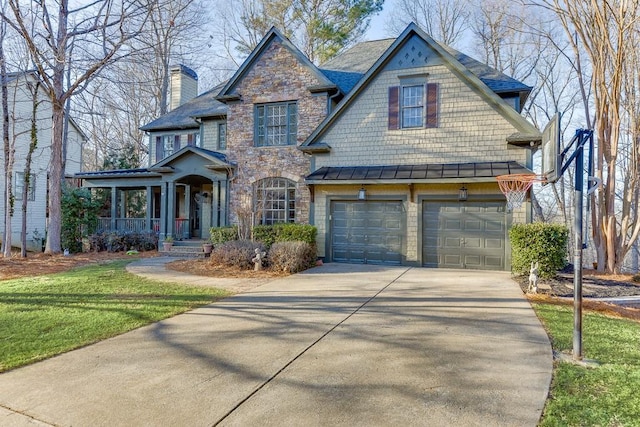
[290, 247]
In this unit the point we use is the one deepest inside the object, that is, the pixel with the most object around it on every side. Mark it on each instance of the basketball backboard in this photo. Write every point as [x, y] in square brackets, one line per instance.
[551, 159]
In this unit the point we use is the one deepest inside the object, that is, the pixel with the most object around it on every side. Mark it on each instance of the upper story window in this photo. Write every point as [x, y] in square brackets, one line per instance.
[276, 124]
[275, 201]
[413, 105]
[222, 136]
[19, 186]
[193, 139]
[166, 145]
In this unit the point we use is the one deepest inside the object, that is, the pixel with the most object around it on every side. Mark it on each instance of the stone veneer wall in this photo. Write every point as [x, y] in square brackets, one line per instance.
[276, 76]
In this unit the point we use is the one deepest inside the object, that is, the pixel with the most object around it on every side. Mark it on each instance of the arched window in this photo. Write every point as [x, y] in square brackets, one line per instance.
[275, 201]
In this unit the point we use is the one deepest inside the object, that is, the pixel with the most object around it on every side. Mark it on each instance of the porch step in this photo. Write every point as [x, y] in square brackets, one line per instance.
[185, 249]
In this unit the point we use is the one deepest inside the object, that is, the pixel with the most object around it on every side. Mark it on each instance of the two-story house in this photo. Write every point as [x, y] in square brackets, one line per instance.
[391, 149]
[25, 92]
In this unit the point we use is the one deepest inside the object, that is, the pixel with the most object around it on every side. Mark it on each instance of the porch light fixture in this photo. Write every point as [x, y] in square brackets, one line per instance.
[462, 194]
[362, 194]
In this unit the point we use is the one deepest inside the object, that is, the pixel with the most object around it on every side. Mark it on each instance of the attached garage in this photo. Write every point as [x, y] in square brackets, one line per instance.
[368, 232]
[464, 235]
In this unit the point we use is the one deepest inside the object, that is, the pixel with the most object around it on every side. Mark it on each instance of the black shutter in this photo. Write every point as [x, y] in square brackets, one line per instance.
[394, 107]
[159, 149]
[432, 105]
[176, 143]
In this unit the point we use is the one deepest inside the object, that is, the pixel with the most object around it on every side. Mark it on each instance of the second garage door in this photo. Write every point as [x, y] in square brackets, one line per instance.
[464, 235]
[368, 232]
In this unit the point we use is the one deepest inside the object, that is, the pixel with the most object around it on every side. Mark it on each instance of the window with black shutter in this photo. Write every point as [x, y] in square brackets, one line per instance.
[413, 105]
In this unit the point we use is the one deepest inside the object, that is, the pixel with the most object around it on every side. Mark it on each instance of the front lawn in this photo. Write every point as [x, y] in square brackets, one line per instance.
[605, 395]
[46, 315]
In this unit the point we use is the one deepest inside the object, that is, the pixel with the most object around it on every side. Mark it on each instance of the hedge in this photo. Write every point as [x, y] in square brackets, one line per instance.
[220, 235]
[538, 242]
[291, 232]
[291, 257]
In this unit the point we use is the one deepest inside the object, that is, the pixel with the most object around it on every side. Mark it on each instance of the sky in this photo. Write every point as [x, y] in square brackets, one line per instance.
[377, 27]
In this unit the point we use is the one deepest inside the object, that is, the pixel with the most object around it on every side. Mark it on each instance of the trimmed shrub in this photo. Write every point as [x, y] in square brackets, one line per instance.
[119, 241]
[292, 257]
[289, 232]
[296, 233]
[266, 234]
[538, 242]
[219, 235]
[236, 253]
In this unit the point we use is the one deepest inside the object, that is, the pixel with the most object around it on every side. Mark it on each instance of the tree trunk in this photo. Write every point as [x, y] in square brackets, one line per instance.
[8, 154]
[54, 228]
[33, 144]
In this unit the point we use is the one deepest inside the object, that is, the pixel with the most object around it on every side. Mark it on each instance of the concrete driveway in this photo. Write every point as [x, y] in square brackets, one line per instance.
[337, 345]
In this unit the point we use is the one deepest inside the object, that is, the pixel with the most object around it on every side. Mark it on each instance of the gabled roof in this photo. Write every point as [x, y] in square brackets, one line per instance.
[216, 158]
[227, 91]
[184, 117]
[522, 126]
[359, 58]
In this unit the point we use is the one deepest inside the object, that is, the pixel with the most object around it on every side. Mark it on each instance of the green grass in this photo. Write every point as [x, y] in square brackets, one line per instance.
[48, 315]
[605, 395]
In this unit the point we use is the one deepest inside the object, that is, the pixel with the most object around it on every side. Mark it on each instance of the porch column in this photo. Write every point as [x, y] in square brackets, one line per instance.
[171, 209]
[224, 202]
[114, 207]
[187, 210]
[215, 204]
[163, 210]
[149, 212]
[123, 207]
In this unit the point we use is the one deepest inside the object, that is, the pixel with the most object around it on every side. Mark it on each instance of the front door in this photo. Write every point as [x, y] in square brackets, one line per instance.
[196, 212]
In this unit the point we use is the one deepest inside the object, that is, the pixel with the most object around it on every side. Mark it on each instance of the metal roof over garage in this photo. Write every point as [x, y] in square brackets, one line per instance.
[435, 172]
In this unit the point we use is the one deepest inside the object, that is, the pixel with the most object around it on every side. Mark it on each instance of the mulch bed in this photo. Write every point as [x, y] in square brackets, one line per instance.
[40, 264]
[559, 290]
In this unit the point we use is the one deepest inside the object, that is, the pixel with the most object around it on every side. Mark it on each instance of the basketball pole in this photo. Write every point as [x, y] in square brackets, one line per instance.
[577, 262]
[581, 138]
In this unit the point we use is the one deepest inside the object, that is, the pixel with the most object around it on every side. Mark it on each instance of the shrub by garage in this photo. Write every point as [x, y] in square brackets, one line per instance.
[291, 257]
[538, 242]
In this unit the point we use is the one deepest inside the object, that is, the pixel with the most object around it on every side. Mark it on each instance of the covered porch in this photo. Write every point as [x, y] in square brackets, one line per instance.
[181, 197]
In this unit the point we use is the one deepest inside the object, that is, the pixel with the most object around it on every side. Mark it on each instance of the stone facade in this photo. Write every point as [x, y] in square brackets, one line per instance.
[276, 76]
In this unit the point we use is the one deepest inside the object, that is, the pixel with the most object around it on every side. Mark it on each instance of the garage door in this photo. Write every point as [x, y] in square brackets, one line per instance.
[464, 235]
[367, 232]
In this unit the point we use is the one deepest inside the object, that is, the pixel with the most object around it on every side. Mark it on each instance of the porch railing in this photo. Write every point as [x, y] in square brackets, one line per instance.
[182, 228]
[129, 224]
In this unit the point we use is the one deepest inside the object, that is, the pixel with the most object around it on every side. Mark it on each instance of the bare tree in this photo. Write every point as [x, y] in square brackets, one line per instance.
[33, 89]
[606, 31]
[99, 33]
[444, 20]
[8, 149]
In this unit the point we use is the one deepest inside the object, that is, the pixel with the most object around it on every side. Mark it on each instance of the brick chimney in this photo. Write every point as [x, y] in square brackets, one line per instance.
[184, 86]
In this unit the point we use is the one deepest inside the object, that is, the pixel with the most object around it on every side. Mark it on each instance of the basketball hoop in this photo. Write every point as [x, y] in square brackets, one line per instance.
[515, 187]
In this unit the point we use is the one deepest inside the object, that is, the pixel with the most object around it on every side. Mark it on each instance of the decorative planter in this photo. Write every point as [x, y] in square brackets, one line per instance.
[207, 248]
[166, 246]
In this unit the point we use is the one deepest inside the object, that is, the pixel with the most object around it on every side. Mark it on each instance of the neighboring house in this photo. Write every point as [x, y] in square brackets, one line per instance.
[21, 88]
[391, 149]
